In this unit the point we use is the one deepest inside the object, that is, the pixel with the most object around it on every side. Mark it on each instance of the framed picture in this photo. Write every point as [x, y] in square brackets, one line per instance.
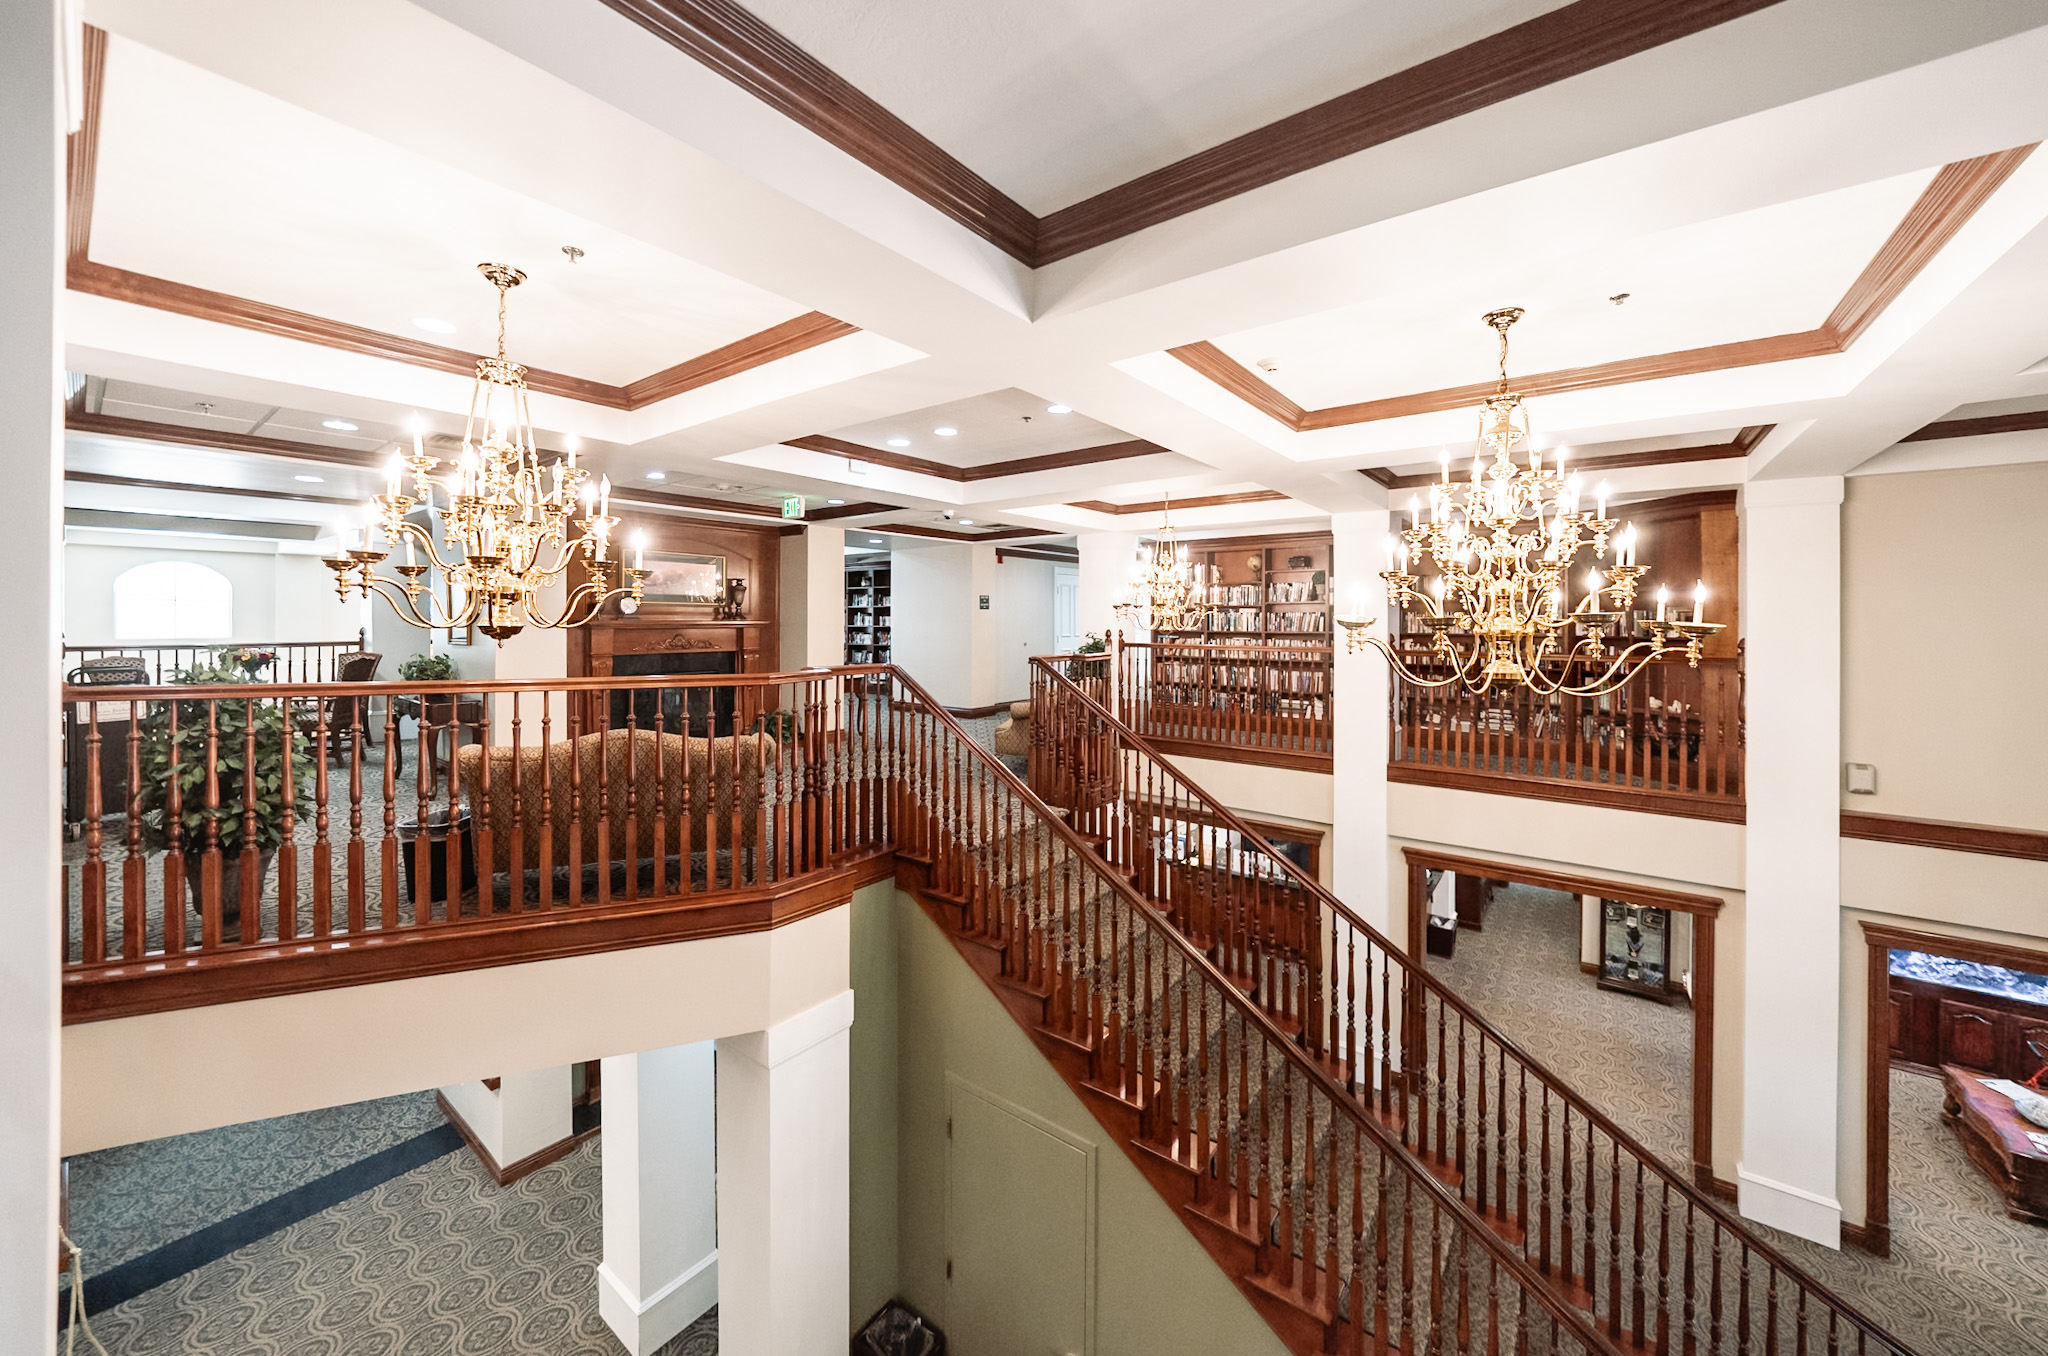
[457, 635]
[677, 578]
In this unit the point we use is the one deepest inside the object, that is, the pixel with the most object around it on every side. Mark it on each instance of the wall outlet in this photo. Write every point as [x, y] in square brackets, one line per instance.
[1860, 778]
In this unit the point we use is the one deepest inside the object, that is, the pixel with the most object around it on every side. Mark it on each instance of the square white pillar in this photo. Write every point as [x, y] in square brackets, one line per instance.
[524, 1114]
[813, 593]
[784, 1154]
[660, 1268]
[1792, 610]
[1105, 570]
[1360, 871]
[33, 100]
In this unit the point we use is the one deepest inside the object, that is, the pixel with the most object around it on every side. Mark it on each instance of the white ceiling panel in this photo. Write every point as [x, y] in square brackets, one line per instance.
[205, 181]
[997, 426]
[1055, 100]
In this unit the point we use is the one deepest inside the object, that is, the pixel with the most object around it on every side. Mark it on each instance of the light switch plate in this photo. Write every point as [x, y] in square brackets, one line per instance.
[1861, 779]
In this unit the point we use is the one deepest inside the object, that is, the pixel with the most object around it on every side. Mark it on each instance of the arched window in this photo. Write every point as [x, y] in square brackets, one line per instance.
[173, 600]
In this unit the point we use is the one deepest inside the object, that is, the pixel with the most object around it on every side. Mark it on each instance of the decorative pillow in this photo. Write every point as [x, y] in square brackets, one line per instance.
[2033, 1108]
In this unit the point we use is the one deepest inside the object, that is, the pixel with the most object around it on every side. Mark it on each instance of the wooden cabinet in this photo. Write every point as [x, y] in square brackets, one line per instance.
[1934, 1024]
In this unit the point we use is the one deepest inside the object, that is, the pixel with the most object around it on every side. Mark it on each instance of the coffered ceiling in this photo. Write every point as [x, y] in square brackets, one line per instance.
[1248, 248]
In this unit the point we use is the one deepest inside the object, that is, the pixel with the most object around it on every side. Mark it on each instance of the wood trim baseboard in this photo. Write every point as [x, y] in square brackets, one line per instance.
[1236, 753]
[1720, 809]
[1953, 196]
[510, 1172]
[1875, 1239]
[1988, 839]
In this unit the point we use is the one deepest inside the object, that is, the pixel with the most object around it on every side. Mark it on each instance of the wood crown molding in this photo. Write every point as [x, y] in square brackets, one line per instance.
[1988, 839]
[961, 475]
[1568, 41]
[853, 510]
[1739, 446]
[147, 430]
[1059, 555]
[140, 289]
[950, 534]
[185, 487]
[1161, 505]
[2023, 422]
[1954, 195]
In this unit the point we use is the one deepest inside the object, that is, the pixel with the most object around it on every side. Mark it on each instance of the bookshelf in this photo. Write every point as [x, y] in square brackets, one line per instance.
[1270, 595]
[867, 611]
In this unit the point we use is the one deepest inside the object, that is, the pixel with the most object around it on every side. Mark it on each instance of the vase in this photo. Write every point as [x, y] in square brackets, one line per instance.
[230, 886]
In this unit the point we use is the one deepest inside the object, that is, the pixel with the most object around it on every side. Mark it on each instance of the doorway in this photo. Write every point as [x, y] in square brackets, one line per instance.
[1066, 609]
[1693, 1138]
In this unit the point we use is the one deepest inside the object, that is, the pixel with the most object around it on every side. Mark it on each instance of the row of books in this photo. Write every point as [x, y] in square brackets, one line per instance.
[1219, 699]
[1298, 621]
[1240, 675]
[1296, 590]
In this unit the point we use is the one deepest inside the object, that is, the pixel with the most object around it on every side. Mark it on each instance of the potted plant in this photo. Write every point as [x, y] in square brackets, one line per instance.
[1078, 669]
[233, 720]
[248, 658]
[428, 668]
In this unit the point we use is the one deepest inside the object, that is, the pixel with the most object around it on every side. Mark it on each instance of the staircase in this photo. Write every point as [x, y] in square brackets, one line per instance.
[1376, 1167]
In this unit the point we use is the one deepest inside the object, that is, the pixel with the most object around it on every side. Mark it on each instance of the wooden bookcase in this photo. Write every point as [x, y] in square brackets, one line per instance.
[867, 612]
[1270, 595]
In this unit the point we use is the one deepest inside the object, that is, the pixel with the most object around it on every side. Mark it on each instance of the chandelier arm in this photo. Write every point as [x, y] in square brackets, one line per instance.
[403, 604]
[1400, 666]
[1634, 659]
[424, 538]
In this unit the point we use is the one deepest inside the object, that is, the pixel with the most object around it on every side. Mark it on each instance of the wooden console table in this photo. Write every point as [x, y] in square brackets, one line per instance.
[1995, 1137]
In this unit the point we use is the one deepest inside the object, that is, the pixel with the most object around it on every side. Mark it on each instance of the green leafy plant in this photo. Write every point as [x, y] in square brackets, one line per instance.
[427, 668]
[1090, 668]
[234, 718]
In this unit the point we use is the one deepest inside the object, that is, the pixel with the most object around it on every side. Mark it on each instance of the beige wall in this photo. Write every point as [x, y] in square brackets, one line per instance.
[276, 596]
[1945, 643]
[872, 970]
[1157, 1292]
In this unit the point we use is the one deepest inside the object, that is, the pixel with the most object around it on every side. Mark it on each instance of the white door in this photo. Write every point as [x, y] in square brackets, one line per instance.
[1019, 1232]
[1066, 608]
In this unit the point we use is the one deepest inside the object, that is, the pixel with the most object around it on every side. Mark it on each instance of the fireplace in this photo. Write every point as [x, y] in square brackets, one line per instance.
[699, 711]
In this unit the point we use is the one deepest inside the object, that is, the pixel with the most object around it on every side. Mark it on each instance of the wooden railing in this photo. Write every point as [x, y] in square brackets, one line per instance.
[1613, 1228]
[1263, 702]
[584, 799]
[1309, 1182]
[1669, 741]
[298, 661]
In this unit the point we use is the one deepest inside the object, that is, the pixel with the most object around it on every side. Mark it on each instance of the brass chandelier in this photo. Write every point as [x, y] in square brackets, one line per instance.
[509, 528]
[1504, 544]
[1165, 592]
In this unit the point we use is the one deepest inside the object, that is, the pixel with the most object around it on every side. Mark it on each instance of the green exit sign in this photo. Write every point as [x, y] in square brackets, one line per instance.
[792, 506]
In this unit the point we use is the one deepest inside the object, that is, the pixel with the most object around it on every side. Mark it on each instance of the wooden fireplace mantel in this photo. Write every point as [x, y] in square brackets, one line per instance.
[751, 553]
[750, 642]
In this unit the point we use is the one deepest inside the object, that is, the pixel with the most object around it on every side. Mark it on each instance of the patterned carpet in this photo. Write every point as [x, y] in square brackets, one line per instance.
[439, 1259]
[1963, 1278]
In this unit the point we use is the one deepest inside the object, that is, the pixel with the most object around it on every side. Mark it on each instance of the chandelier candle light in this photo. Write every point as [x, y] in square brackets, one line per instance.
[1165, 592]
[1504, 544]
[508, 525]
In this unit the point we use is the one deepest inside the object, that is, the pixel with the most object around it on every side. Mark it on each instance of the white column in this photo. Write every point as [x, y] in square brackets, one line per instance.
[1792, 612]
[32, 124]
[813, 592]
[1105, 569]
[534, 653]
[660, 1268]
[783, 1185]
[1360, 868]
[524, 1114]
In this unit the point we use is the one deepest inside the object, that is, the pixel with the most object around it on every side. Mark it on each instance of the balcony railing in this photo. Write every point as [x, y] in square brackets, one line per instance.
[297, 661]
[450, 825]
[1670, 741]
[1268, 702]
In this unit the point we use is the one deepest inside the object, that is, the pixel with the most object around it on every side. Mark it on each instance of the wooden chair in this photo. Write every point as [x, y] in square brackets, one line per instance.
[348, 717]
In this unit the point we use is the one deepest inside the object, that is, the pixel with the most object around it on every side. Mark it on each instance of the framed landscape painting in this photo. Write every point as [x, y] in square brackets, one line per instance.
[677, 578]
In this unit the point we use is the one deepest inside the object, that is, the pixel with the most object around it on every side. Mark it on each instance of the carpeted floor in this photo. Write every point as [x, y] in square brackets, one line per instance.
[437, 1258]
[1963, 1278]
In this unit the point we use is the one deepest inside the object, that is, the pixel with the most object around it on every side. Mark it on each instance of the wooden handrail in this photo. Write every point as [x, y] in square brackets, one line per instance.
[1473, 1228]
[294, 657]
[1124, 754]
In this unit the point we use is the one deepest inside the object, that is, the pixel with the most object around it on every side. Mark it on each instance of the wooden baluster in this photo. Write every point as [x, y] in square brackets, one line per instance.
[134, 869]
[92, 875]
[544, 854]
[658, 848]
[288, 846]
[323, 849]
[515, 844]
[453, 849]
[250, 858]
[1567, 1258]
[358, 903]
[210, 859]
[483, 845]
[388, 874]
[578, 706]
[174, 834]
[423, 778]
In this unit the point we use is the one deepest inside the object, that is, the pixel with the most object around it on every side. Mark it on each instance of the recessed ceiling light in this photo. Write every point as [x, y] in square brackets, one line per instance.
[835, 501]
[874, 541]
[945, 430]
[1059, 409]
[899, 442]
[967, 522]
[338, 425]
[433, 326]
[310, 480]
[657, 475]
